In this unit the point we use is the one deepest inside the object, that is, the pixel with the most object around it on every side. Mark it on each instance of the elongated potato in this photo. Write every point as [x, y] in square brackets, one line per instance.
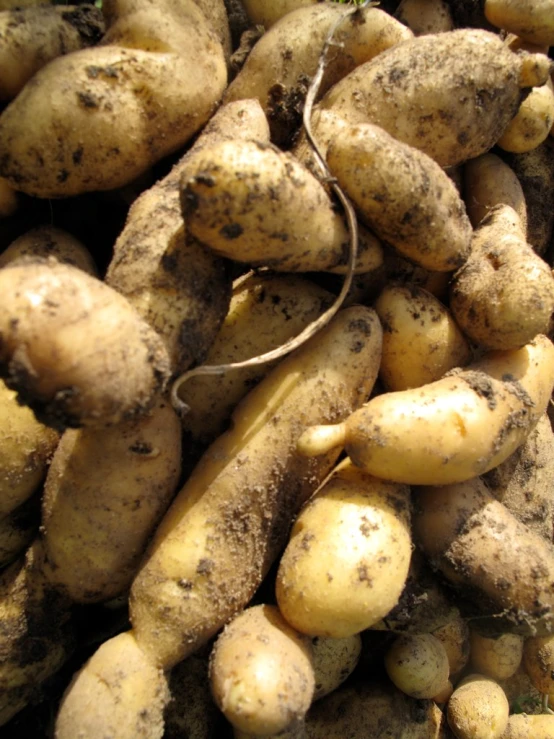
[503, 296]
[25, 450]
[215, 544]
[524, 726]
[421, 341]
[450, 430]
[181, 289]
[243, 200]
[105, 491]
[96, 702]
[63, 134]
[73, 348]
[450, 94]
[532, 20]
[402, 195]
[487, 554]
[489, 181]
[347, 560]
[279, 68]
[31, 37]
[261, 672]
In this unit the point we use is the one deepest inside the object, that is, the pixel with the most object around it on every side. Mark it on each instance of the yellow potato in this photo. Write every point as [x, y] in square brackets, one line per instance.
[498, 657]
[418, 665]
[347, 560]
[478, 709]
[421, 340]
[454, 637]
[333, 660]
[425, 16]
[532, 123]
[261, 672]
[538, 660]
[532, 20]
[522, 726]
[452, 429]
[49, 241]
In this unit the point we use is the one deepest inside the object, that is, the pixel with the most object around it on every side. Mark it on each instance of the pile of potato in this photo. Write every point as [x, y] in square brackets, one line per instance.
[276, 354]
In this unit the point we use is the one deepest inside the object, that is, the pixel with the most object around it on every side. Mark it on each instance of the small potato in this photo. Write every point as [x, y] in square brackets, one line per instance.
[49, 241]
[454, 637]
[421, 340]
[532, 123]
[498, 657]
[489, 181]
[402, 195]
[261, 672]
[538, 659]
[478, 709]
[333, 661]
[503, 296]
[532, 20]
[418, 665]
[425, 16]
[268, 12]
[348, 556]
[74, 348]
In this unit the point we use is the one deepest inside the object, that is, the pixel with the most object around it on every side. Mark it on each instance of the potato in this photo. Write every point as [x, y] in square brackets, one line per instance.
[279, 68]
[230, 520]
[333, 661]
[478, 709]
[37, 634]
[105, 492]
[425, 16]
[9, 202]
[265, 311]
[450, 430]
[503, 296]
[524, 482]
[116, 674]
[75, 349]
[63, 134]
[538, 660]
[532, 123]
[522, 726]
[532, 19]
[49, 241]
[423, 92]
[418, 665]
[487, 555]
[25, 450]
[421, 341]
[454, 636]
[498, 657]
[402, 195]
[347, 560]
[489, 181]
[268, 229]
[264, 13]
[261, 672]
[181, 289]
[368, 709]
[31, 37]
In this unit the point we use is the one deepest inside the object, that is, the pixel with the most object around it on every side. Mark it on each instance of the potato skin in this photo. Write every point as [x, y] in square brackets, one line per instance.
[478, 709]
[62, 135]
[230, 520]
[489, 181]
[503, 296]
[524, 726]
[421, 341]
[334, 661]
[116, 674]
[497, 657]
[414, 90]
[49, 241]
[402, 195]
[532, 20]
[261, 672]
[105, 491]
[75, 349]
[31, 37]
[532, 123]
[487, 554]
[418, 665]
[436, 434]
[325, 588]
